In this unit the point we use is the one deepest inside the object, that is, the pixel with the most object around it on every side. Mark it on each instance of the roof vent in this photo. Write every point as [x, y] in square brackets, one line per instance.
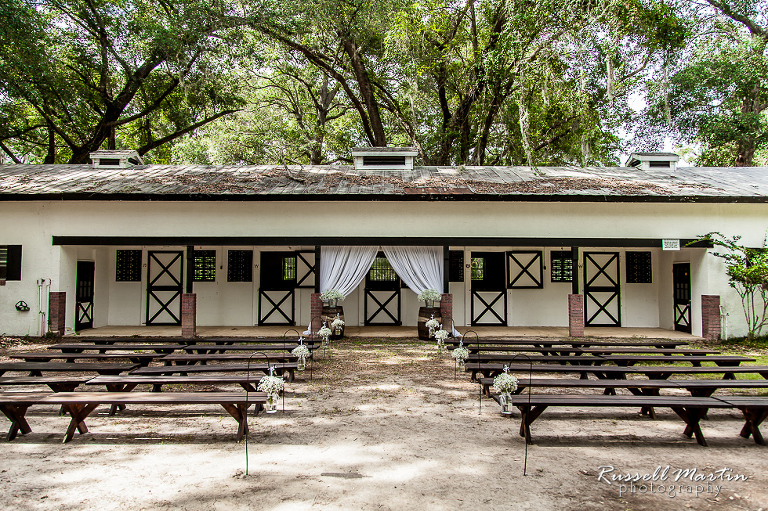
[383, 158]
[652, 161]
[115, 159]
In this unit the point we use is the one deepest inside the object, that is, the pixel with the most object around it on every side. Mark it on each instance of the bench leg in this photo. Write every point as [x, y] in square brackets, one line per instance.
[78, 414]
[529, 414]
[15, 414]
[753, 418]
[692, 416]
[240, 414]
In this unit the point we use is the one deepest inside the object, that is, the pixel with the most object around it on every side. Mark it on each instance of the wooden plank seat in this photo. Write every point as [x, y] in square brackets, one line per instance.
[608, 372]
[585, 343]
[605, 350]
[203, 349]
[697, 388]
[55, 383]
[234, 341]
[128, 382]
[689, 409]
[203, 358]
[142, 359]
[622, 360]
[285, 369]
[37, 368]
[79, 347]
[131, 340]
[79, 405]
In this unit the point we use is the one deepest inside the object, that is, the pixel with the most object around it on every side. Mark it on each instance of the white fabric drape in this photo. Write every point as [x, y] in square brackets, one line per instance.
[344, 267]
[420, 268]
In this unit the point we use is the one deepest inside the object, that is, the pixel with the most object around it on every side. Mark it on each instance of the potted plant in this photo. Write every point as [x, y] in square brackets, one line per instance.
[430, 297]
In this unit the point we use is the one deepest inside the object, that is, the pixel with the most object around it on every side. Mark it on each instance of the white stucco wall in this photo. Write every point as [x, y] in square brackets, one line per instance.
[33, 224]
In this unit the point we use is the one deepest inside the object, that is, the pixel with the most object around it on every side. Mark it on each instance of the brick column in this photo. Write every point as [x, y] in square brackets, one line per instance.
[446, 311]
[576, 315]
[57, 312]
[710, 317]
[188, 315]
[315, 311]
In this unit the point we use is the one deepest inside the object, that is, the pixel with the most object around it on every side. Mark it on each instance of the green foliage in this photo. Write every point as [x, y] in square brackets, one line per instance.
[747, 270]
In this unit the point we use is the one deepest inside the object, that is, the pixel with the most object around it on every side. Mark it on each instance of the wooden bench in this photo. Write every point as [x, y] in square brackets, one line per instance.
[55, 383]
[142, 359]
[79, 405]
[287, 369]
[128, 382]
[607, 350]
[621, 360]
[37, 368]
[689, 409]
[204, 358]
[79, 347]
[586, 343]
[612, 372]
[209, 349]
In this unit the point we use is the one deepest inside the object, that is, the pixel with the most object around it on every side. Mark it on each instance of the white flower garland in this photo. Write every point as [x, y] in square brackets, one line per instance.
[271, 384]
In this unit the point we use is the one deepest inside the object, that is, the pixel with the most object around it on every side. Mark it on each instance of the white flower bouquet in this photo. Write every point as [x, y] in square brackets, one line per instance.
[272, 385]
[441, 335]
[460, 354]
[433, 325]
[331, 294]
[429, 295]
[337, 323]
[324, 332]
[301, 351]
[505, 383]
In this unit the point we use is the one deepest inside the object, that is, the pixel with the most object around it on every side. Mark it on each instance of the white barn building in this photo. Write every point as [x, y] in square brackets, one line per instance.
[121, 243]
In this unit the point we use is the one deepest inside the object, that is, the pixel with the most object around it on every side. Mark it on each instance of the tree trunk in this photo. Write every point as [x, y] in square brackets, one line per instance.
[366, 91]
[50, 157]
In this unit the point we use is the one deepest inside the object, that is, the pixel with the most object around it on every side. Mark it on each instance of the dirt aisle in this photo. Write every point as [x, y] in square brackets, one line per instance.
[380, 426]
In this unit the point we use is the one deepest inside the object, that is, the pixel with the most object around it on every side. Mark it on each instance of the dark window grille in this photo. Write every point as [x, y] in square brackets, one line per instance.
[478, 268]
[378, 161]
[204, 262]
[240, 266]
[561, 266]
[10, 262]
[289, 268]
[659, 164]
[382, 271]
[128, 266]
[456, 266]
[639, 268]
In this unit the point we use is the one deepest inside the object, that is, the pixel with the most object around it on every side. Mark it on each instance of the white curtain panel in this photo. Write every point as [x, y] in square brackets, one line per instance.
[344, 267]
[420, 268]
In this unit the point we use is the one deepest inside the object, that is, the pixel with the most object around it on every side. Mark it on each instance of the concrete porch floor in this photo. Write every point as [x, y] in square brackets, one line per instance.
[379, 332]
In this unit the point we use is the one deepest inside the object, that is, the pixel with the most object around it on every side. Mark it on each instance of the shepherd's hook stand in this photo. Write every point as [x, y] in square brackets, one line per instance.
[247, 386]
[530, 375]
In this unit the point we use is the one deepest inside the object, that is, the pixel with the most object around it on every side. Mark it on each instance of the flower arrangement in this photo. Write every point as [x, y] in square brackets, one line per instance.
[324, 332]
[432, 324]
[505, 383]
[337, 323]
[429, 295]
[302, 352]
[331, 294]
[461, 353]
[441, 335]
[272, 385]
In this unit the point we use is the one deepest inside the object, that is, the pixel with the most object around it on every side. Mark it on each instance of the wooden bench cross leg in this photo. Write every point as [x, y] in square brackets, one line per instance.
[15, 414]
[529, 414]
[113, 387]
[78, 413]
[692, 415]
[240, 414]
[753, 417]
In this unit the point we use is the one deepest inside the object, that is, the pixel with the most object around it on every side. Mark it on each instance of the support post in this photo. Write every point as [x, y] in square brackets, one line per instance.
[576, 315]
[711, 329]
[190, 268]
[188, 315]
[316, 311]
[57, 312]
[446, 311]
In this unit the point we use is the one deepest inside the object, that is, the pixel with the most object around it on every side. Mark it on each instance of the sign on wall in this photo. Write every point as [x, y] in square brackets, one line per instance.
[670, 244]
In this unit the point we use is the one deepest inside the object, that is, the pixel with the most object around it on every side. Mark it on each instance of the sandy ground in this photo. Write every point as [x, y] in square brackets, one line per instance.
[379, 426]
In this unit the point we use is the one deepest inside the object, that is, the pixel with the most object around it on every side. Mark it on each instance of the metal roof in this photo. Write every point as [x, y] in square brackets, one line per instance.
[328, 183]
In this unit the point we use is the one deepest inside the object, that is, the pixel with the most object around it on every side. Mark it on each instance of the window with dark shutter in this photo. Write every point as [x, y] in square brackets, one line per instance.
[128, 266]
[240, 266]
[561, 266]
[639, 268]
[10, 262]
[204, 265]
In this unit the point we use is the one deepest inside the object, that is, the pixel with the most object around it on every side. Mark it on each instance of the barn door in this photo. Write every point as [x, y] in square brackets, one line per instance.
[277, 298]
[164, 287]
[602, 292]
[681, 279]
[489, 289]
[84, 295]
[382, 294]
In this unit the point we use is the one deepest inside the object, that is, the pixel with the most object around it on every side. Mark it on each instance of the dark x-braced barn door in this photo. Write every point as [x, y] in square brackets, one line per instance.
[489, 289]
[164, 287]
[382, 294]
[277, 296]
[84, 295]
[681, 279]
[602, 292]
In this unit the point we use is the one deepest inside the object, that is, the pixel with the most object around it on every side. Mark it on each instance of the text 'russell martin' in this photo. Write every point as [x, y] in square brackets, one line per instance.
[669, 481]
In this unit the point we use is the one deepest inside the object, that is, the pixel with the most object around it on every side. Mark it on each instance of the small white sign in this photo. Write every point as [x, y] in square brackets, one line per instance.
[670, 244]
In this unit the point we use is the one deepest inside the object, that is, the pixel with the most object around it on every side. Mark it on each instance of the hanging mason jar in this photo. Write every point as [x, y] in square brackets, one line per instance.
[506, 403]
[271, 406]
